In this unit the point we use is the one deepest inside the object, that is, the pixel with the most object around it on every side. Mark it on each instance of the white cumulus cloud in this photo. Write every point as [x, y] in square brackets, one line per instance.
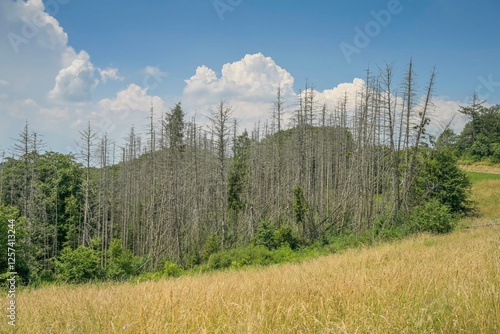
[131, 98]
[29, 22]
[344, 91]
[443, 113]
[76, 82]
[249, 85]
[128, 107]
[110, 73]
[255, 77]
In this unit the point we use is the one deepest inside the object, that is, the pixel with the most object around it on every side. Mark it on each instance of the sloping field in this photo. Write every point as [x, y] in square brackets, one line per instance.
[426, 284]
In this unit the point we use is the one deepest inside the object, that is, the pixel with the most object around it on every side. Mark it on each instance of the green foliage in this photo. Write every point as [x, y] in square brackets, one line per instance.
[249, 256]
[273, 238]
[213, 245]
[149, 276]
[175, 127]
[480, 137]
[284, 236]
[46, 190]
[192, 259]
[300, 206]
[433, 217]
[265, 235]
[481, 147]
[21, 267]
[495, 155]
[171, 269]
[390, 228]
[442, 179]
[448, 140]
[78, 265]
[238, 171]
[121, 262]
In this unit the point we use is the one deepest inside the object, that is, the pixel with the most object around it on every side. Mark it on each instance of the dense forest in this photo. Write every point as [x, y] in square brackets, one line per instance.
[181, 192]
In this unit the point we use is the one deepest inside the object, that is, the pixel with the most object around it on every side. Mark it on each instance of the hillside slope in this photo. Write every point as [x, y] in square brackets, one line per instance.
[424, 284]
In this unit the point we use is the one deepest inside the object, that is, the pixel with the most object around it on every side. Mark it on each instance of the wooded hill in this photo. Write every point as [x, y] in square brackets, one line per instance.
[183, 191]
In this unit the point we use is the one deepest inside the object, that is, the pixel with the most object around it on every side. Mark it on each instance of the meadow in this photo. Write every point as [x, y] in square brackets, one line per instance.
[423, 284]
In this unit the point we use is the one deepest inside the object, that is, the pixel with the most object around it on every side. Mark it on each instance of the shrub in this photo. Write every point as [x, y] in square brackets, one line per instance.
[495, 155]
[171, 269]
[241, 257]
[78, 265]
[121, 262]
[433, 217]
[481, 147]
[284, 236]
[442, 179]
[148, 276]
[273, 238]
[212, 246]
[265, 235]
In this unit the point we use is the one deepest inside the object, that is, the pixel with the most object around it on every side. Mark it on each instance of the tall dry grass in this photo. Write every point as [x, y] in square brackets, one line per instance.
[481, 167]
[426, 284]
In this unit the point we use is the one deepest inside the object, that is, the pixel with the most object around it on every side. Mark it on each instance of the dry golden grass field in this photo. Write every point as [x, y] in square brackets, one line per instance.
[425, 284]
[481, 167]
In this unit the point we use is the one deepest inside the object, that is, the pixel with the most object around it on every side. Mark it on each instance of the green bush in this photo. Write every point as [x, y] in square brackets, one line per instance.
[212, 246]
[121, 262]
[273, 238]
[171, 269]
[481, 147]
[284, 254]
[433, 217]
[78, 265]
[24, 271]
[265, 235]
[149, 276]
[284, 236]
[495, 155]
[442, 179]
[241, 257]
[386, 227]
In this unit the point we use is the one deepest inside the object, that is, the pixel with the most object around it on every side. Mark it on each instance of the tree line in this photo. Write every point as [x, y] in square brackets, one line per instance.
[181, 192]
[480, 139]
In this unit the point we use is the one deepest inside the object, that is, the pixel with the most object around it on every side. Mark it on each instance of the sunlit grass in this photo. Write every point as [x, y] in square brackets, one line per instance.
[425, 284]
[486, 195]
[481, 177]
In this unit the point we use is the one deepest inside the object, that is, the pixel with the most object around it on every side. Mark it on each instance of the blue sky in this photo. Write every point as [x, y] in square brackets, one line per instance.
[65, 62]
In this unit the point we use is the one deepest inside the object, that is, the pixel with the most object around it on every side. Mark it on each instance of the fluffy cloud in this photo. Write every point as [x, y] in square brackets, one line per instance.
[76, 82]
[34, 48]
[132, 98]
[341, 92]
[249, 85]
[36, 54]
[29, 21]
[45, 80]
[253, 78]
[445, 113]
[110, 73]
[130, 106]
